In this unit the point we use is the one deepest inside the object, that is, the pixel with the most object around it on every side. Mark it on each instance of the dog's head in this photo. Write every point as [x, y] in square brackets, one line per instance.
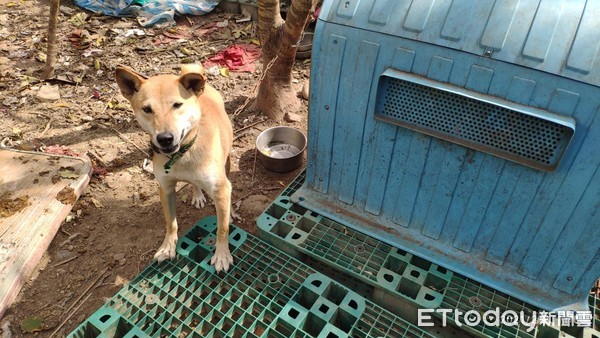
[165, 106]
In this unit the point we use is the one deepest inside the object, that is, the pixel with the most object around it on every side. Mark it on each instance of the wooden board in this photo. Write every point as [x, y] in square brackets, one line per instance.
[37, 191]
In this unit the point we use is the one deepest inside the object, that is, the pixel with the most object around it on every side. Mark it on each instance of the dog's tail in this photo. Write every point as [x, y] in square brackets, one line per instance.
[192, 68]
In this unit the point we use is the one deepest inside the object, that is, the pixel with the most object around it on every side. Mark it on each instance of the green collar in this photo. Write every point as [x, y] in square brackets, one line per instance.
[175, 157]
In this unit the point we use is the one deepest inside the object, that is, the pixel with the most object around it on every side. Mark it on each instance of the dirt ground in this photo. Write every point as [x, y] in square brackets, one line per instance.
[117, 224]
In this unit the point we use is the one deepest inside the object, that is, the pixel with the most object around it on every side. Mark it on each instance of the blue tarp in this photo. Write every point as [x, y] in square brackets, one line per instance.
[149, 12]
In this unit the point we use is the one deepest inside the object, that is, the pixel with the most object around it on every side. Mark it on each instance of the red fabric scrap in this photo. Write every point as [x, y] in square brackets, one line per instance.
[238, 58]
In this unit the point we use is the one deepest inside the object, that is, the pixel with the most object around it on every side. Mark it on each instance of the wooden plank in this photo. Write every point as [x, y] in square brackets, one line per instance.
[37, 192]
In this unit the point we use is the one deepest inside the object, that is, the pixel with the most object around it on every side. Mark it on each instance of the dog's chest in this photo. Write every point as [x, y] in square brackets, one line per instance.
[193, 169]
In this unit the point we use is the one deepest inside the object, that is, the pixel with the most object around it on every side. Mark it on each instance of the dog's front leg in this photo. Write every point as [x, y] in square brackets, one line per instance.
[167, 199]
[222, 257]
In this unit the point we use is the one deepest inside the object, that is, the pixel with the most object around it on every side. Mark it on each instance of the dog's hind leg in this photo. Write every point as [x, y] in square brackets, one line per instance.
[167, 199]
[199, 201]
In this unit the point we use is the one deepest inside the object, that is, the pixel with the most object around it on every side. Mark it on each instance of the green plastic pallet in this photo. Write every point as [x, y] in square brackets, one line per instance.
[266, 293]
[395, 275]
[398, 276]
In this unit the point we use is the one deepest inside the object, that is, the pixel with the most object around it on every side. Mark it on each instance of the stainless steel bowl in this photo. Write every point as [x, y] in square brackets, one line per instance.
[281, 149]
[305, 46]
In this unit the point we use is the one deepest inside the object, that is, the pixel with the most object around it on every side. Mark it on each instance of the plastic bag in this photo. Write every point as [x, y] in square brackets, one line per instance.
[149, 12]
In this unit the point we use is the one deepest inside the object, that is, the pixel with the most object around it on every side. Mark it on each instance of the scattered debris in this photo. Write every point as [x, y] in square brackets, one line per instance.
[6, 330]
[65, 261]
[67, 196]
[32, 324]
[120, 281]
[48, 93]
[305, 92]
[66, 10]
[136, 198]
[136, 32]
[9, 101]
[97, 203]
[222, 24]
[148, 166]
[292, 117]
[214, 70]
[10, 206]
[60, 150]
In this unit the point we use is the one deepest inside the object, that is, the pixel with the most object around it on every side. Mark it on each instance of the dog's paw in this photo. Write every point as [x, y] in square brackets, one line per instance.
[167, 250]
[199, 201]
[222, 259]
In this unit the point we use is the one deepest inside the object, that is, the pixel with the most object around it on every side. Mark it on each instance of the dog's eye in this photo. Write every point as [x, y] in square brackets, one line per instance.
[147, 109]
[177, 105]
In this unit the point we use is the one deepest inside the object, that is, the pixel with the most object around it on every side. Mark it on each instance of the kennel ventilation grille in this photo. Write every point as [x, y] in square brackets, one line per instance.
[507, 133]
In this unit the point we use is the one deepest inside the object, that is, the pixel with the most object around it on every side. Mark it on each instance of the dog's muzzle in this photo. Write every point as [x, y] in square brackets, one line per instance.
[167, 144]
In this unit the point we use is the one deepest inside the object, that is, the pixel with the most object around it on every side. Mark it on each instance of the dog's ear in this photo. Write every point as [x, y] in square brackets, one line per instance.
[129, 81]
[193, 82]
[192, 68]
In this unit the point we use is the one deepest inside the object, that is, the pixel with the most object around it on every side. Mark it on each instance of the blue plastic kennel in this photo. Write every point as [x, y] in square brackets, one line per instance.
[466, 132]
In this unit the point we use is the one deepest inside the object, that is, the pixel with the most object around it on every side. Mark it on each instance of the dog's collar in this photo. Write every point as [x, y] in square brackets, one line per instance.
[175, 157]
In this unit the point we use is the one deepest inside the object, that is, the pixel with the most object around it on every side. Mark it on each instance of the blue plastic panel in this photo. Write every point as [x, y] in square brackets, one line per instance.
[526, 232]
[555, 36]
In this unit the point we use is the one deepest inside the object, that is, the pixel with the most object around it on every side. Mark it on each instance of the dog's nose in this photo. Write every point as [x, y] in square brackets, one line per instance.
[165, 139]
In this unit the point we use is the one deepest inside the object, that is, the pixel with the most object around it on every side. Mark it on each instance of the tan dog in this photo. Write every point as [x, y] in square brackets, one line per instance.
[192, 136]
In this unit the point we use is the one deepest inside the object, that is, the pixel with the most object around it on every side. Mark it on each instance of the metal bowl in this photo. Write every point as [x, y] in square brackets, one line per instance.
[306, 41]
[281, 149]
[305, 46]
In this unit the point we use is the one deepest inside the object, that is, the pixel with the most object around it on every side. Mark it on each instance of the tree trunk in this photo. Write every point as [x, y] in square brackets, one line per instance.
[51, 47]
[279, 41]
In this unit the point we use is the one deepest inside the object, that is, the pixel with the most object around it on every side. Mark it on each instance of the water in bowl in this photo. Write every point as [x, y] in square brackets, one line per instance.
[280, 150]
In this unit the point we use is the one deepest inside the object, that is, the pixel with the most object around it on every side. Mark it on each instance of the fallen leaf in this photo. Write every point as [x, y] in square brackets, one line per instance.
[67, 174]
[40, 56]
[78, 19]
[186, 51]
[16, 130]
[176, 36]
[224, 72]
[97, 203]
[32, 324]
[120, 281]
